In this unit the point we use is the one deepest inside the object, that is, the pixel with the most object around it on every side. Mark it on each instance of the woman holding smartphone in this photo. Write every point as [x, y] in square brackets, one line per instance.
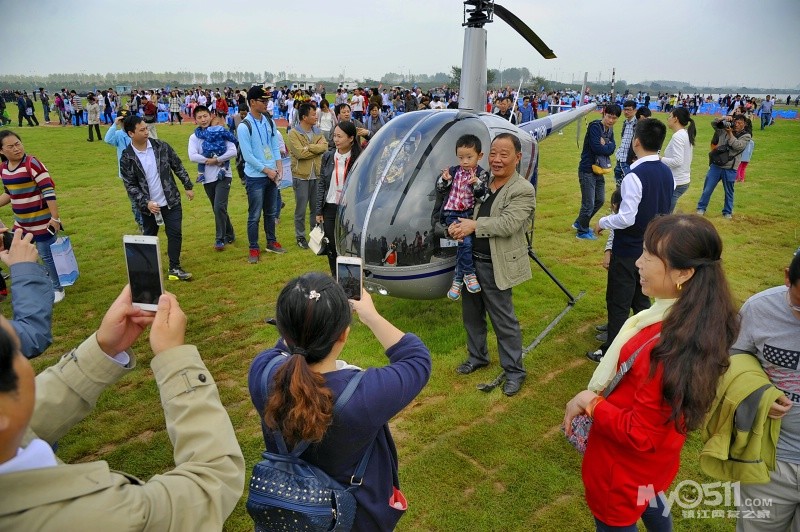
[682, 342]
[335, 167]
[313, 318]
[32, 195]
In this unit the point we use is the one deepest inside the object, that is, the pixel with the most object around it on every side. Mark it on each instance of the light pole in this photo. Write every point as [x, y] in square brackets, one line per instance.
[500, 68]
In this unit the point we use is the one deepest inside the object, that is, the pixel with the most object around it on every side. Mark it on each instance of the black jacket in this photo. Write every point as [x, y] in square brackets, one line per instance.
[136, 182]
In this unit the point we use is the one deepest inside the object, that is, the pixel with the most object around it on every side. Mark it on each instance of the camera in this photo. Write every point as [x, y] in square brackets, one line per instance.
[724, 124]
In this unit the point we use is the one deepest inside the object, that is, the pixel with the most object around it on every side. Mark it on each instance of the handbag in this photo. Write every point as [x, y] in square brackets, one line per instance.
[602, 165]
[64, 259]
[317, 241]
[582, 424]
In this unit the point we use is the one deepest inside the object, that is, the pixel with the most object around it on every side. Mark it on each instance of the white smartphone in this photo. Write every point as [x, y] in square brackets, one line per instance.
[350, 275]
[143, 258]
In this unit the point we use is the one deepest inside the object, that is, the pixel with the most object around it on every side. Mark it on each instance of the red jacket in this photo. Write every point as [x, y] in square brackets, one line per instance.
[632, 444]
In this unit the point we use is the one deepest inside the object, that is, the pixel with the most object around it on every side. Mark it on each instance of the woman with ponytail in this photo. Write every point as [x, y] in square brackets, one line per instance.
[313, 318]
[638, 430]
[678, 155]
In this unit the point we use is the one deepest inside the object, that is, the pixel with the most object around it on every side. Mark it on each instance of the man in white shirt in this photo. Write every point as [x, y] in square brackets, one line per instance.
[357, 104]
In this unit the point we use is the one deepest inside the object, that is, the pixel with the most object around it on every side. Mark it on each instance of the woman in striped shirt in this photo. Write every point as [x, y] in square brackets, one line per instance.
[32, 194]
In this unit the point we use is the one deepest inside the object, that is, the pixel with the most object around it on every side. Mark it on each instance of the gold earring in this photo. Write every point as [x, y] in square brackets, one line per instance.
[680, 286]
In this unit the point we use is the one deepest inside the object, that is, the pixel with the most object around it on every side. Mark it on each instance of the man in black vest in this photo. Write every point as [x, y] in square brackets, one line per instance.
[646, 193]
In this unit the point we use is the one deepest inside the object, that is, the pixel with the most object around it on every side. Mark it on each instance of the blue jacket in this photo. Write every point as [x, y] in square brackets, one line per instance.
[119, 139]
[592, 146]
[263, 138]
[32, 302]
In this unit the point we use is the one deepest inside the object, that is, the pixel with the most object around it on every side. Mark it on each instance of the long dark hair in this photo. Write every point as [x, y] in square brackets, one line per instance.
[349, 129]
[683, 117]
[312, 312]
[702, 324]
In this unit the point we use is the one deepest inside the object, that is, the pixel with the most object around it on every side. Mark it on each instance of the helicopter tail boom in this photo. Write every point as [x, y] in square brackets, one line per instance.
[541, 128]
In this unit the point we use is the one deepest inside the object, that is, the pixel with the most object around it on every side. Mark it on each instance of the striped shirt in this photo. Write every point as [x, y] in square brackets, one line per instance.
[29, 191]
[625, 142]
[77, 104]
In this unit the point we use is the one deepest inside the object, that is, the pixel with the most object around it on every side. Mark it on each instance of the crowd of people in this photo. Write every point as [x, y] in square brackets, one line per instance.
[663, 364]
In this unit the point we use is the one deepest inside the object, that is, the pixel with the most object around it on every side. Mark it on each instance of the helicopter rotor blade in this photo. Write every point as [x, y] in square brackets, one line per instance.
[520, 27]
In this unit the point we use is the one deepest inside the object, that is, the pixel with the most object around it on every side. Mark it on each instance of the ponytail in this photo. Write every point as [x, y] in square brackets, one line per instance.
[300, 405]
[692, 131]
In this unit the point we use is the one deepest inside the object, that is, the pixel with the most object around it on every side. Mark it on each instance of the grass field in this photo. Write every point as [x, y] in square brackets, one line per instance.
[469, 460]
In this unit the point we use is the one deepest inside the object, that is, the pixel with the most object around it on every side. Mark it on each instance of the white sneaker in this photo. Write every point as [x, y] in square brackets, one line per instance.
[58, 296]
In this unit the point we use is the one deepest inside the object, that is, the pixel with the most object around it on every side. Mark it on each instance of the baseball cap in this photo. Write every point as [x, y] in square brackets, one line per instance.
[257, 93]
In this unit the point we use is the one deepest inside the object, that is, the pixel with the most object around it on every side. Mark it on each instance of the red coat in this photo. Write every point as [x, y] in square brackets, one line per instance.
[631, 445]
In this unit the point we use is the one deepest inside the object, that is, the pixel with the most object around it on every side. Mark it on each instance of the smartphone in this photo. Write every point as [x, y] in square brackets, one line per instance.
[350, 275]
[143, 258]
[6, 237]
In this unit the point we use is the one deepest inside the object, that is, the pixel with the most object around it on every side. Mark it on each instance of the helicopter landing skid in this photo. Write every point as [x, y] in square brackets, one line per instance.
[571, 300]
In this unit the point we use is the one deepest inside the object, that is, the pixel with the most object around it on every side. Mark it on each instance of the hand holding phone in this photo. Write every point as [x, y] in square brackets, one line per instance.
[350, 276]
[143, 259]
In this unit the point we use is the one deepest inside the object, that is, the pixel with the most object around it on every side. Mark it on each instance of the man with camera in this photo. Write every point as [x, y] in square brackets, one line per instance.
[724, 160]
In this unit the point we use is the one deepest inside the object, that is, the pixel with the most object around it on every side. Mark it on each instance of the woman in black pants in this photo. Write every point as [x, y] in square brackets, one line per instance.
[336, 164]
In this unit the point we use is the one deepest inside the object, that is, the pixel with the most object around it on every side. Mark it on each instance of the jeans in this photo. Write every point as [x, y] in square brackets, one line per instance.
[676, 194]
[620, 170]
[765, 120]
[593, 195]
[653, 518]
[261, 192]
[715, 175]
[78, 116]
[43, 247]
[217, 193]
[107, 116]
[464, 263]
[305, 194]
[46, 112]
[173, 220]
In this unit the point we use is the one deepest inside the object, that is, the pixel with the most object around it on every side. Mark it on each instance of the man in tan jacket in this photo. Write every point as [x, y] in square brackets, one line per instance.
[500, 253]
[39, 492]
[306, 145]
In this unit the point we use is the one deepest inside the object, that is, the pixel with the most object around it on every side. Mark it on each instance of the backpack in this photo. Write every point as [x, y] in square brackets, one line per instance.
[239, 156]
[288, 493]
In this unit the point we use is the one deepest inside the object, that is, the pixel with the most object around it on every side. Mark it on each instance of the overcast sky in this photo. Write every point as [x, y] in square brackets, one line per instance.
[717, 42]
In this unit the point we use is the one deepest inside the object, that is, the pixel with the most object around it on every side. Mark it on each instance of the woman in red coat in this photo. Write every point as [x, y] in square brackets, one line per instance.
[633, 452]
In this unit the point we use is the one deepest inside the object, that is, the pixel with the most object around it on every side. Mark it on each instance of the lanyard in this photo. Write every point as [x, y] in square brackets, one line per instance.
[258, 130]
[336, 169]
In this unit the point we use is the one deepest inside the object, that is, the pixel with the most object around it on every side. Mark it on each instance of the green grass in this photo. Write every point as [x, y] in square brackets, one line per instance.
[469, 461]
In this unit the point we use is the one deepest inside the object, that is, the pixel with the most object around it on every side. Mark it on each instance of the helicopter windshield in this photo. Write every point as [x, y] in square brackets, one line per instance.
[390, 202]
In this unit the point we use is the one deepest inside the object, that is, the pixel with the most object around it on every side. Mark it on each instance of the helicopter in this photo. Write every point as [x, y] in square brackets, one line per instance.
[389, 213]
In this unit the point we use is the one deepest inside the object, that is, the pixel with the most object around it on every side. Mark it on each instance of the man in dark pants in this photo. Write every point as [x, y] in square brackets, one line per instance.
[147, 168]
[599, 141]
[500, 252]
[646, 193]
[217, 177]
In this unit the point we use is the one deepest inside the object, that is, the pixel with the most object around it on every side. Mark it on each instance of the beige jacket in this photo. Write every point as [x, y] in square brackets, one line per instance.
[509, 220]
[198, 494]
[306, 156]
